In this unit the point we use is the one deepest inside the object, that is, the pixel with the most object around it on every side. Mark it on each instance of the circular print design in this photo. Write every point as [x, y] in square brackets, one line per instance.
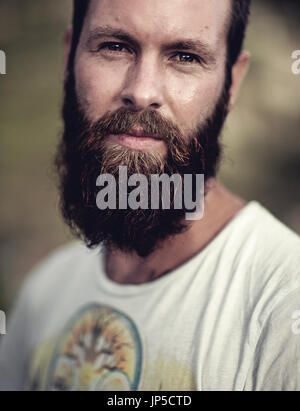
[100, 350]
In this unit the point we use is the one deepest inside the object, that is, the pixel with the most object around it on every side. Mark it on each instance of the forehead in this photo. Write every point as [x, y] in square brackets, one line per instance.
[158, 21]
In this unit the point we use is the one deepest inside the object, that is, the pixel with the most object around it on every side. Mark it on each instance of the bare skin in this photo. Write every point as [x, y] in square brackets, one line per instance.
[133, 53]
[220, 207]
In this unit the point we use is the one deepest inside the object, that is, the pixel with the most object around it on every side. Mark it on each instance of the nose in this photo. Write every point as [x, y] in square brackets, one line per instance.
[143, 85]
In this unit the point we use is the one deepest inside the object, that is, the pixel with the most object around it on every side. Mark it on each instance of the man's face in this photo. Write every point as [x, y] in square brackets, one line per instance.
[157, 65]
[159, 54]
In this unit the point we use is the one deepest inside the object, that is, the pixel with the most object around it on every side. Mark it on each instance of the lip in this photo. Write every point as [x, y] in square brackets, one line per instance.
[139, 132]
[142, 142]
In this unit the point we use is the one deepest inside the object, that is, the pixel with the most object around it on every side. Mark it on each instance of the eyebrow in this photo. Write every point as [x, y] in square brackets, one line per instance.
[194, 45]
[107, 31]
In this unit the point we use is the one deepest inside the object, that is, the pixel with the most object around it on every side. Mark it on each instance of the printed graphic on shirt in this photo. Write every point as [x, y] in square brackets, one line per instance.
[99, 350]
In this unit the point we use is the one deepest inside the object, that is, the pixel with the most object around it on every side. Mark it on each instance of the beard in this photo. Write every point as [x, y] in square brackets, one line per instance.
[85, 152]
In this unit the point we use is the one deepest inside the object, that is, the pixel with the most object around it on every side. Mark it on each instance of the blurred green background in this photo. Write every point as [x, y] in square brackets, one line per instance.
[262, 157]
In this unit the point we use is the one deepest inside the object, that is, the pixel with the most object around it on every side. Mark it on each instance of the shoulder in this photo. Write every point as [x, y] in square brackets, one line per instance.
[272, 233]
[271, 258]
[270, 254]
[276, 246]
[268, 243]
[276, 362]
[62, 267]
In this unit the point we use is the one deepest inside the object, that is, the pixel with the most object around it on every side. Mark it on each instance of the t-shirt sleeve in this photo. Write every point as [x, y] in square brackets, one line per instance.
[13, 344]
[276, 363]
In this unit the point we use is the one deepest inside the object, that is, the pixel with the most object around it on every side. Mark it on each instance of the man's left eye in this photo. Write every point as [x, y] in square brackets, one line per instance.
[187, 58]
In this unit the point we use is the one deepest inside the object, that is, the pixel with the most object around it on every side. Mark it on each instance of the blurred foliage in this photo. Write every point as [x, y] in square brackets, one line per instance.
[262, 134]
[31, 34]
[261, 137]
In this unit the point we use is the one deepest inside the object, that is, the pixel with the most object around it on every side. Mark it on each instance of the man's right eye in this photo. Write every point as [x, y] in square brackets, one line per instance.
[114, 47]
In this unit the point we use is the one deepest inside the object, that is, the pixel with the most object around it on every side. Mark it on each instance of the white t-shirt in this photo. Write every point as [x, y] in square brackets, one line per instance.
[227, 319]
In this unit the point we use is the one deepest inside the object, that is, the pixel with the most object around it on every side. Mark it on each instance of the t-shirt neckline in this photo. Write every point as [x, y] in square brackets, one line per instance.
[115, 288]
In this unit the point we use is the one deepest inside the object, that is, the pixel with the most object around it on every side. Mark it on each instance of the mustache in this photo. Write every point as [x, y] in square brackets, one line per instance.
[92, 136]
[123, 119]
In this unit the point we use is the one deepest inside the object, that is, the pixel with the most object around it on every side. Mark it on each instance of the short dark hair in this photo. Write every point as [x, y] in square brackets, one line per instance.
[235, 37]
[238, 23]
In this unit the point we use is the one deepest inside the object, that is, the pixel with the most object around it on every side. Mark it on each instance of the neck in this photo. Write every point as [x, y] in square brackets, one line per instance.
[220, 206]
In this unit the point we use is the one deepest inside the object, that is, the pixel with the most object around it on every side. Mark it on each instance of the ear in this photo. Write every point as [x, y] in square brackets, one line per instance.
[67, 49]
[239, 71]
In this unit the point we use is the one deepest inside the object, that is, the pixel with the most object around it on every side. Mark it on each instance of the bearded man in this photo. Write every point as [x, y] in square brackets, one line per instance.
[147, 299]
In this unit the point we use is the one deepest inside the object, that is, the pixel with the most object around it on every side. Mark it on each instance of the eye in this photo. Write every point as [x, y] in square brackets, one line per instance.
[187, 58]
[113, 47]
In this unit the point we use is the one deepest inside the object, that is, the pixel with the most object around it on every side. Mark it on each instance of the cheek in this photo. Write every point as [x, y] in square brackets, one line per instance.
[194, 99]
[96, 88]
